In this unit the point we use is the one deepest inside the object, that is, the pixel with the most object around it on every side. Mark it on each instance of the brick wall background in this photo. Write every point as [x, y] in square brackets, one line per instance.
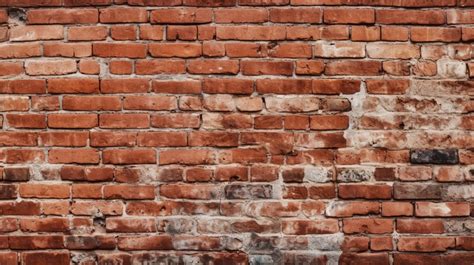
[236, 132]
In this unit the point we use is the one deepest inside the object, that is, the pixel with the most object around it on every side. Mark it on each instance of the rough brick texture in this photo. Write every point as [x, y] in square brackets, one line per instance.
[236, 132]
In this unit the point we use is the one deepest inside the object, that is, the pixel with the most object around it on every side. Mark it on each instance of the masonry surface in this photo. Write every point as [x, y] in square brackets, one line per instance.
[236, 132]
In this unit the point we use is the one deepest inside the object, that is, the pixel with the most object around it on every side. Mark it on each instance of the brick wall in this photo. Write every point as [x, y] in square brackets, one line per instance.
[236, 132]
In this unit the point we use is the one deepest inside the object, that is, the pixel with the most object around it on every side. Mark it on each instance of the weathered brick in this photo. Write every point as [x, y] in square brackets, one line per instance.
[435, 156]
[30, 33]
[236, 132]
[430, 17]
[62, 16]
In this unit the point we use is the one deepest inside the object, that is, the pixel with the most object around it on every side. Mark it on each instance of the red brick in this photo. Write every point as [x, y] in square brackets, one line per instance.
[176, 121]
[73, 85]
[57, 191]
[177, 87]
[360, 191]
[8, 191]
[433, 34]
[181, 33]
[343, 50]
[349, 16]
[37, 258]
[358, 68]
[387, 86]
[395, 33]
[420, 226]
[296, 15]
[213, 49]
[123, 15]
[3, 15]
[101, 139]
[334, 86]
[62, 16]
[161, 242]
[51, 67]
[14, 103]
[92, 207]
[315, 67]
[72, 121]
[209, 3]
[129, 192]
[159, 66]
[425, 244]
[20, 50]
[251, 33]
[393, 51]
[243, 156]
[397, 209]
[175, 50]
[241, 49]
[20, 208]
[85, 33]
[120, 50]
[127, 225]
[429, 17]
[121, 67]
[18, 138]
[9, 258]
[181, 16]
[213, 139]
[348, 209]
[460, 16]
[327, 122]
[86, 173]
[363, 33]
[240, 15]
[150, 102]
[80, 156]
[263, 2]
[187, 157]
[154, 139]
[364, 258]
[11, 68]
[123, 32]
[367, 225]
[149, 32]
[24, 156]
[28, 121]
[431, 209]
[210, 66]
[190, 191]
[91, 103]
[135, 156]
[284, 86]
[228, 86]
[184, 118]
[45, 225]
[467, 34]
[130, 85]
[304, 227]
[291, 50]
[59, 49]
[89, 67]
[30, 33]
[266, 68]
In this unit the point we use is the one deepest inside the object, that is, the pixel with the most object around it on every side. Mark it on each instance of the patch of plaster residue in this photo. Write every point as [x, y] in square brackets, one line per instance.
[318, 174]
[45, 172]
[357, 110]
[331, 242]
[148, 174]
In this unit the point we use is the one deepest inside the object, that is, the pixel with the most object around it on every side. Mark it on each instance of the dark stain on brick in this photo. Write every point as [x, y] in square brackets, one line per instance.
[434, 156]
[17, 174]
